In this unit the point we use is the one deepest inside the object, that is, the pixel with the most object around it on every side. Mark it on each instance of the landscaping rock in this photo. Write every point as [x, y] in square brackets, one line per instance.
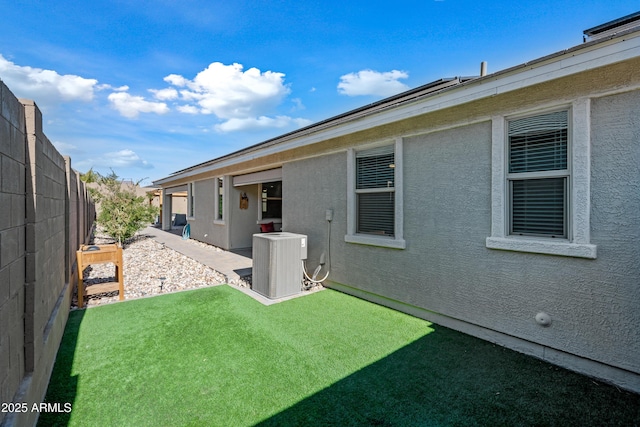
[150, 268]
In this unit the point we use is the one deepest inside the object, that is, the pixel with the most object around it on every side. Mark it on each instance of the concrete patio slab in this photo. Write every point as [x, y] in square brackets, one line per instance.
[232, 265]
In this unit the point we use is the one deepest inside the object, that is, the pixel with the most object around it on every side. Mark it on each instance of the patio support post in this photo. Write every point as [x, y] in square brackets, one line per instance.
[166, 210]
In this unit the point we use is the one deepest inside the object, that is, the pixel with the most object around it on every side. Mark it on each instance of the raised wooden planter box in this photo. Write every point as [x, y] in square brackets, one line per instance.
[87, 255]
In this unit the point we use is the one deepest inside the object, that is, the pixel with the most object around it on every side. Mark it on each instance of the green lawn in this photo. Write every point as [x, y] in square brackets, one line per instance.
[215, 357]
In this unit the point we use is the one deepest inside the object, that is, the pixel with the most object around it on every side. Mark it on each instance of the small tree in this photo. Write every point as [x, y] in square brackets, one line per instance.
[90, 176]
[122, 211]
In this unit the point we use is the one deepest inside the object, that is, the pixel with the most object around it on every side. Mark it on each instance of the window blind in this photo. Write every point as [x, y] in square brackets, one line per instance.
[538, 207]
[538, 143]
[375, 170]
[376, 213]
[538, 204]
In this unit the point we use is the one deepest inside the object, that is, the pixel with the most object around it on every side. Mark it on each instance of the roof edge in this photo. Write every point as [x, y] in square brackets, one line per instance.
[374, 106]
[612, 24]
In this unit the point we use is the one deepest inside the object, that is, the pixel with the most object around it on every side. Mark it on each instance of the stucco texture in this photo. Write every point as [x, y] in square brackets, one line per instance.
[243, 222]
[446, 267]
[205, 207]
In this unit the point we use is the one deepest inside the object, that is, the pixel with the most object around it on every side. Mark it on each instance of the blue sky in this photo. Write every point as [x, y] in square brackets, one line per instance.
[147, 88]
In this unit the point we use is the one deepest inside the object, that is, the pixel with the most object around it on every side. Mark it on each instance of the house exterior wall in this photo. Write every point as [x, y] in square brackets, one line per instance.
[203, 227]
[305, 202]
[451, 277]
[615, 227]
[242, 222]
[237, 227]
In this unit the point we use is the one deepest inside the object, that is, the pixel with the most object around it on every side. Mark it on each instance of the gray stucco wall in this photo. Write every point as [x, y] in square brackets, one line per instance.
[202, 224]
[615, 227]
[446, 267]
[309, 188]
[243, 221]
[238, 225]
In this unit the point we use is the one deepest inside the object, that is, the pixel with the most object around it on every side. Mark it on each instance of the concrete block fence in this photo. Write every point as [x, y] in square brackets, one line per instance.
[46, 213]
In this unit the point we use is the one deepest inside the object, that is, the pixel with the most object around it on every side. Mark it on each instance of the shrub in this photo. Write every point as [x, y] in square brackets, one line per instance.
[122, 212]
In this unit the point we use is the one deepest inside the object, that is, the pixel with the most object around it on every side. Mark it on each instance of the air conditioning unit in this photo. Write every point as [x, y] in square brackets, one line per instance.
[277, 263]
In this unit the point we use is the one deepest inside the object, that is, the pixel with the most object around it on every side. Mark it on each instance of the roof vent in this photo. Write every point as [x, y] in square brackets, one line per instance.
[611, 28]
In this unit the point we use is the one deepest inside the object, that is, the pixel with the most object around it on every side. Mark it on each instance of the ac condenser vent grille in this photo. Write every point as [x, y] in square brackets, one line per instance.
[277, 263]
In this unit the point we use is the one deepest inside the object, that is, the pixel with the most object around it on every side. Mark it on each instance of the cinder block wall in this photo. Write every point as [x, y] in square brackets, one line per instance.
[12, 244]
[45, 214]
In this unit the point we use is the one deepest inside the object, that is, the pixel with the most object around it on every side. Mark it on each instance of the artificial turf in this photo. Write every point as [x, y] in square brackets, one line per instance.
[215, 357]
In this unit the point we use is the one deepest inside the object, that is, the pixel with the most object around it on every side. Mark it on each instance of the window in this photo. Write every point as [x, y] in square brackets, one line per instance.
[190, 201]
[541, 182]
[375, 188]
[538, 175]
[218, 197]
[271, 200]
[375, 196]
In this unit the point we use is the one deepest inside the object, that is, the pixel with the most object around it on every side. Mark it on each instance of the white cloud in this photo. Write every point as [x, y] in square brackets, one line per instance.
[297, 104]
[116, 160]
[242, 99]
[176, 80]
[46, 87]
[167, 94]
[131, 106]
[262, 122]
[105, 86]
[125, 159]
[188, 109]
[228, 92]
[369, 82]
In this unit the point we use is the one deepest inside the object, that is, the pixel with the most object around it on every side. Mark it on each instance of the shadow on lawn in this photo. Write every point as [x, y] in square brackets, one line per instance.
[63, 385]
[447, 378]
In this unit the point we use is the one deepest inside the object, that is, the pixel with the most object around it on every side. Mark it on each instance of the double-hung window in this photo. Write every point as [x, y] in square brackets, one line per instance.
[375, 196]
[538, 175]
[375, 191]
[540, 192]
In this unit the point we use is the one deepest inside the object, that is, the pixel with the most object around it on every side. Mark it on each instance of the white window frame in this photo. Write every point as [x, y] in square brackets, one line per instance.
[577, 243]
[397, 241]
[216, 196]
[191, 205]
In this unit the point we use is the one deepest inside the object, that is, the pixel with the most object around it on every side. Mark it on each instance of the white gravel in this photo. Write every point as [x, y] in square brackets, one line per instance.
[150, 268]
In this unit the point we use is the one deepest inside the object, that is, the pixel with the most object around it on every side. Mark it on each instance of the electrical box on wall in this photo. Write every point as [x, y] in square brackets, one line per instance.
[277, 263]
[329, 215]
